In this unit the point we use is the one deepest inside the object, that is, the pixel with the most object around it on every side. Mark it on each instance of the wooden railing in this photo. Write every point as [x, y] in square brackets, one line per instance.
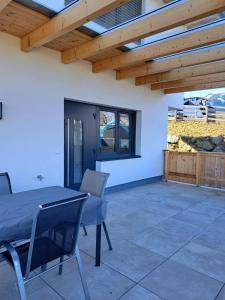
[200, 168]
[199, 113]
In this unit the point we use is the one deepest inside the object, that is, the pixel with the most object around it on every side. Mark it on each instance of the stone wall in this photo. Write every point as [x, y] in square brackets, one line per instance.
[189, 136]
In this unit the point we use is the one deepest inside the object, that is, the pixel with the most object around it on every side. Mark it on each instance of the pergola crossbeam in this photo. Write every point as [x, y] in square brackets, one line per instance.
[217, 77]
[182, 73]
[73, 17]
[3, 4]
[183, 60]
[200, 87]
[165, 19]
[187, 41]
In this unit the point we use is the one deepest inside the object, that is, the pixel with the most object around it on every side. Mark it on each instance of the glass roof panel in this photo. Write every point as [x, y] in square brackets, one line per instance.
[55, 5]
[132, 11]
[127, 13]
[197, 25]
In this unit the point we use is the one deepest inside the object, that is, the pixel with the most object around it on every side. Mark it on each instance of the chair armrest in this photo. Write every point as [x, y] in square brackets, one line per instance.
[13, 253]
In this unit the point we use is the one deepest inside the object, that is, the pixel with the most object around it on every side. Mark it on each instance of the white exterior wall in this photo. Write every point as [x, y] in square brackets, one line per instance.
[33, 87]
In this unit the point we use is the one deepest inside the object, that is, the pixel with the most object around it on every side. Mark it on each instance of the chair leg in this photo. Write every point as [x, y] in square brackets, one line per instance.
[17, 268]
[98, 245]
[20, 283]
[61, 266]
[83, 279]
[107, 236]
[85, 230]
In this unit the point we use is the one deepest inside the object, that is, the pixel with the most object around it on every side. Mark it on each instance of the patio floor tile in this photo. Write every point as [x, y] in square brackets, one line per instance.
[104, 283]
[133, 224]
[131, 260]
[173, 281]
[212, 238]
[179, 228]
[69, 267]
[202, 259]
[209, 209]
[160, 241]
[194, 218]
[221, 295]
[8, 288]
[45, 293]
[139, 292]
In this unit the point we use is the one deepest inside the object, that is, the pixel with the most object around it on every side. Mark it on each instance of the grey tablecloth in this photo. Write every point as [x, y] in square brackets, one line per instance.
[18, 210]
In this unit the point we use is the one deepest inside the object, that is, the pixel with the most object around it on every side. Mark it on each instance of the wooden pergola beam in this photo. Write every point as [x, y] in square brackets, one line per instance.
[3, 4]
[193, 88]
[176, 15]
[183, 42]
[182, 73]
[217, 77]
[68, 20]
[183, 60]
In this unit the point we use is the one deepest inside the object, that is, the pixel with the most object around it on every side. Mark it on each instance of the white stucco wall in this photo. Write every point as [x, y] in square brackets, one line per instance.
[33, 87]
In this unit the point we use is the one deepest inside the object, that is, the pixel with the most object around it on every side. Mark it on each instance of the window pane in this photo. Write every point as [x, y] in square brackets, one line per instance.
[124, 133]
[107, 131]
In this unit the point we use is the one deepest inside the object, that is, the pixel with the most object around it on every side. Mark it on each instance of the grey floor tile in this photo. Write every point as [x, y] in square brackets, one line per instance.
[163, 208]
[8, 287]
[133, 224]
[221, 295]
[212, 238]
[131, 260]
[46, 293]
[68, 267]
[179, 228]
[173, 281]
[139, 293]
[202, 259]
[195, 218]
[160, 242]
[219, 224]
[208, 209]
[104, 284]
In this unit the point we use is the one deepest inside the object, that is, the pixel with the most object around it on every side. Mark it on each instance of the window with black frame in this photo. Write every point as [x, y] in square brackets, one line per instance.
[116, 133]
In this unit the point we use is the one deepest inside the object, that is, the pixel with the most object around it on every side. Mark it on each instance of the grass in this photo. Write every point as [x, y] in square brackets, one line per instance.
[195, 129]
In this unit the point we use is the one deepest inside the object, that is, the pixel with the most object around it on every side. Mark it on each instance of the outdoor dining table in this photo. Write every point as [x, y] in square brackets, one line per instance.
[18, 210]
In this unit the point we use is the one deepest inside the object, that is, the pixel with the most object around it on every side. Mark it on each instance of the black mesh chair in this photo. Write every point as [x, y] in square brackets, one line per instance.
[5, 184]
[54, 236]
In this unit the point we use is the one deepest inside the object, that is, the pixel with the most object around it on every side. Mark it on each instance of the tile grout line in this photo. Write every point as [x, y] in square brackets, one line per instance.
[47, 284]
[219, 292]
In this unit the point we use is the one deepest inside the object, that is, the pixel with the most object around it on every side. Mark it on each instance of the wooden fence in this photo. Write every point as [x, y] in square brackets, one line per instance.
[214, 114]
[200, 168]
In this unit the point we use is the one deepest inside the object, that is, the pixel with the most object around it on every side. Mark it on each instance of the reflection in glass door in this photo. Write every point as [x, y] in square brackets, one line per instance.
[73, 153]
[78, 152]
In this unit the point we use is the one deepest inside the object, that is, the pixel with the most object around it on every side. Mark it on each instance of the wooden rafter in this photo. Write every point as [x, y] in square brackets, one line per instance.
[199, 87]
[187, 41]
[70, 19]
[182, 73]
[184, 60]
[4, 3]
[176, 15]
[217, 77]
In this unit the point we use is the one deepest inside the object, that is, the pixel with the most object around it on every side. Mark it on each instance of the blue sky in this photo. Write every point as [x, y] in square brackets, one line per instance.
[203, 93]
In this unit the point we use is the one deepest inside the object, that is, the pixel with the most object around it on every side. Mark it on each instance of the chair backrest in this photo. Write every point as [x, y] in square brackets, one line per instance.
[94, 182]
[55, 231]
[5, 184]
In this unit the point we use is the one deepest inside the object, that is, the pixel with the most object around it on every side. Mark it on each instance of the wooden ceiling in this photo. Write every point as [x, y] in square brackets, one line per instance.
[196, 69]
